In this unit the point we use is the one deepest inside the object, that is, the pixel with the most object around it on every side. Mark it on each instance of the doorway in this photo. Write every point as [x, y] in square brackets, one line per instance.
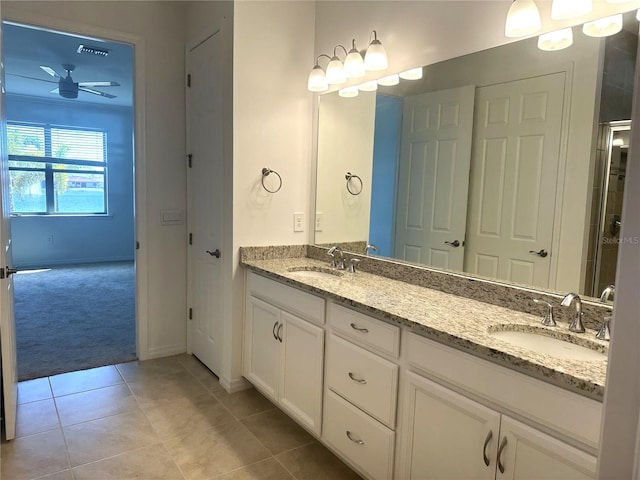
[69, 110]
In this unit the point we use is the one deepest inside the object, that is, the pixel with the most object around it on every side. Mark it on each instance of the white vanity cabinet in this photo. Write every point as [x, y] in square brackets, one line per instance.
[283, 350]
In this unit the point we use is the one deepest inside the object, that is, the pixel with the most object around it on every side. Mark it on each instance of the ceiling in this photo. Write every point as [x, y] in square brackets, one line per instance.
[26, 48]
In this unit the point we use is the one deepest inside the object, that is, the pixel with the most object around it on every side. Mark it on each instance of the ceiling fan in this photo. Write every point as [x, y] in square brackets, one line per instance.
[67, 88]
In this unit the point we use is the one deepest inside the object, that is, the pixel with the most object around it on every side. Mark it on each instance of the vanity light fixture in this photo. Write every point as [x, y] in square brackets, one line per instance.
[557, 40]
[389, 80]
[370, 86]
[413, 74]
[348, 92]
[603, 27]
[523, 19]
[335, 69]
[317, 81]
[354, 64]
[376, 56]
[566, 9]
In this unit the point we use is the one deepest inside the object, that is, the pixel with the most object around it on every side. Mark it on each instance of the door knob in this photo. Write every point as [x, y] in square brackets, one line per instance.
[455, 243]
[215, 253]
[542, 253]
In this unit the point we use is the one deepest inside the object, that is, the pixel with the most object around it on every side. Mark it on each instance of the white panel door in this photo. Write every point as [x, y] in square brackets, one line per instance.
[205, 202]
[433, 177]
[446, 435]
[300, 387]
[529, 454]
[7, 319]
[514, 168]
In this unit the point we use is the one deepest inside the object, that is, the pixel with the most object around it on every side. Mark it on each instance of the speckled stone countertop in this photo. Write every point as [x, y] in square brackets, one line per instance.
[459, 322]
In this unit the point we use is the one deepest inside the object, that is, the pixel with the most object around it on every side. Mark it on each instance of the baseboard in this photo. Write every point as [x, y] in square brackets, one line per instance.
[167, 351]
[235, 384]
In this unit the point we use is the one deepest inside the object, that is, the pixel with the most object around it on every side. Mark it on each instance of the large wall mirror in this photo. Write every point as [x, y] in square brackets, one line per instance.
[506, 164]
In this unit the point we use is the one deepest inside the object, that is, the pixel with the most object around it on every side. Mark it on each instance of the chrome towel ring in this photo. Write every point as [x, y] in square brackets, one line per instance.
[265, 173]
[350, 176]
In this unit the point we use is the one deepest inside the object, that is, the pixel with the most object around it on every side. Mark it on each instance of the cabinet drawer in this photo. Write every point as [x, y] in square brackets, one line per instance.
[365, 330]
[365, 379]
[296, 301]
[366, 443]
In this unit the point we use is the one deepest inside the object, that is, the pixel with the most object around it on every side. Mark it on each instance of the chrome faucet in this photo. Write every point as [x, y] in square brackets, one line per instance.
[548, 318]
[337, 257]
[370, 246]
[607, 292]
[605, 329]
[576, 324]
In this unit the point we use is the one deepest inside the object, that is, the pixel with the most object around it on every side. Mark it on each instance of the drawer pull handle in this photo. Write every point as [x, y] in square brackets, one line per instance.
[354, 440]
[356, 379]
[273, 331]
[279, 332]
[360, 329]
[502, 445]
[484, 449]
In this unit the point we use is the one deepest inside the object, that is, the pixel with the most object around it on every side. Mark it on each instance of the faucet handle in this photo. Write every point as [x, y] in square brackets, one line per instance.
[352, 265]
[548, 319]
[605, 330]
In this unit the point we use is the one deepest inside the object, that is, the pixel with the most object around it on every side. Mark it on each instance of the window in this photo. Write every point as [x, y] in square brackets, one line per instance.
[56, 170]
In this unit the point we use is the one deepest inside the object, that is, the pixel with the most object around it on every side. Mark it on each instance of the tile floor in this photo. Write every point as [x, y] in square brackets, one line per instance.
[161, 419]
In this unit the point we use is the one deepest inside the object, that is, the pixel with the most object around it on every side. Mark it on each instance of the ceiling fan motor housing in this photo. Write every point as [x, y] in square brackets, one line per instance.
[68, 88]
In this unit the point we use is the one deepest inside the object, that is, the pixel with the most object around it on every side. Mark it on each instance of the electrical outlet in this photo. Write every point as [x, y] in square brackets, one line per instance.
[319, 221]
[298, 222]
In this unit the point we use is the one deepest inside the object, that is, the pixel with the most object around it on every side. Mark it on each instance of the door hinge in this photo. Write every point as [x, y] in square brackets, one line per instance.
[191, 314]
[190, 158]
[188, 80]
[191, 239]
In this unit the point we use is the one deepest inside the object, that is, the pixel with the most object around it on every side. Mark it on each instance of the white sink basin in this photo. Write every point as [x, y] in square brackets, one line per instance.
[315, 273]
[546, 345]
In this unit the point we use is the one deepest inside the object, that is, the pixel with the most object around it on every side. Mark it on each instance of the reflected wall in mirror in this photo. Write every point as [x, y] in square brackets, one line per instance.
[488, 165]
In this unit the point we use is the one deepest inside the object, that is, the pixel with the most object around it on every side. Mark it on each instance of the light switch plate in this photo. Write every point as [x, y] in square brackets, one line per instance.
[298, 222]
[319, 221]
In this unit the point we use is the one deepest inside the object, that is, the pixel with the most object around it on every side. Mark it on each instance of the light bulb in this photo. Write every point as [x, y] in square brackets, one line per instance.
[413, 74]
[523, 19]
[371, 86]
[317, 80]
[376, 56]
[556, 40]
[389, 80]
[566, 9]
[348, 92]
[603, 27]
[354, 64]
[335, 71]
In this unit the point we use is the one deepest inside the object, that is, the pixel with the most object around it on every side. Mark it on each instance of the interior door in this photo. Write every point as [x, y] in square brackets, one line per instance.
[433, 177]
[514, 167]
[205, 198]
[7, 319]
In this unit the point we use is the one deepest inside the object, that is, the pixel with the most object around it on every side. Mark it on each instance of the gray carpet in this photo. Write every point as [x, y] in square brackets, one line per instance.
[72, 318]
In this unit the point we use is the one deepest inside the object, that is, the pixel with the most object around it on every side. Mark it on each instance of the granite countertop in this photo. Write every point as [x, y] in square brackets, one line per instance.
[452, 320]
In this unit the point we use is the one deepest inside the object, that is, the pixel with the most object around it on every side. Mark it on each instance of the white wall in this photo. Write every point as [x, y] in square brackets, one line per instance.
[158, 30]
[40, 240]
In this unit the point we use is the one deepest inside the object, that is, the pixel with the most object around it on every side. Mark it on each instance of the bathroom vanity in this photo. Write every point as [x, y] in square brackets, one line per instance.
[408, 382]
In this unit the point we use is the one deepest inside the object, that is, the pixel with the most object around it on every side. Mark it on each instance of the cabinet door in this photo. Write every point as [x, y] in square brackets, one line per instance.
[261, 348]
[300, 386]
[533, 455]
[446, 435]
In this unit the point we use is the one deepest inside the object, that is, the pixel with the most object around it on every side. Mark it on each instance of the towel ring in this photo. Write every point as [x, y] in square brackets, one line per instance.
[265, 173]
[350, 176]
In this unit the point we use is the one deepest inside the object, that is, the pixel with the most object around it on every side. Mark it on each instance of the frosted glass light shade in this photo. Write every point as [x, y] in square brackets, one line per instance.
[603, 27]
[317, 80]
[354, 65]
[376, 57]
[523, 19]
[335, 72]
[413, 74]
[389, 80]
[371, 86]
[566, 9]
[556, 40]
[348, 92]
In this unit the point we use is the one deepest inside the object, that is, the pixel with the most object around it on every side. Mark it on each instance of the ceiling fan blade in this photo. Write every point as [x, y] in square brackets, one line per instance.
[96, 92]
[98, 84]
[50, 71]
[31, 78]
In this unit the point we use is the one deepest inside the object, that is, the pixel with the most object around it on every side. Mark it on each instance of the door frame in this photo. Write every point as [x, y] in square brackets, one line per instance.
[140, 162]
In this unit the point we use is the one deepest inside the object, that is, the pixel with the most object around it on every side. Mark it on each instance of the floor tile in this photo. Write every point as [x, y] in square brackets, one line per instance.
[152, 462]
[34, 390]
[34, 456]
[106, 437]
[102, 402]
[204, 454]
[84, 380]
[277, 431]
[205, 376]
[149, 390]
[315, 462]
[134, 371]
[177, 417]
[269, 469]
[246, 402]
[64, 475]
[36, 417]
